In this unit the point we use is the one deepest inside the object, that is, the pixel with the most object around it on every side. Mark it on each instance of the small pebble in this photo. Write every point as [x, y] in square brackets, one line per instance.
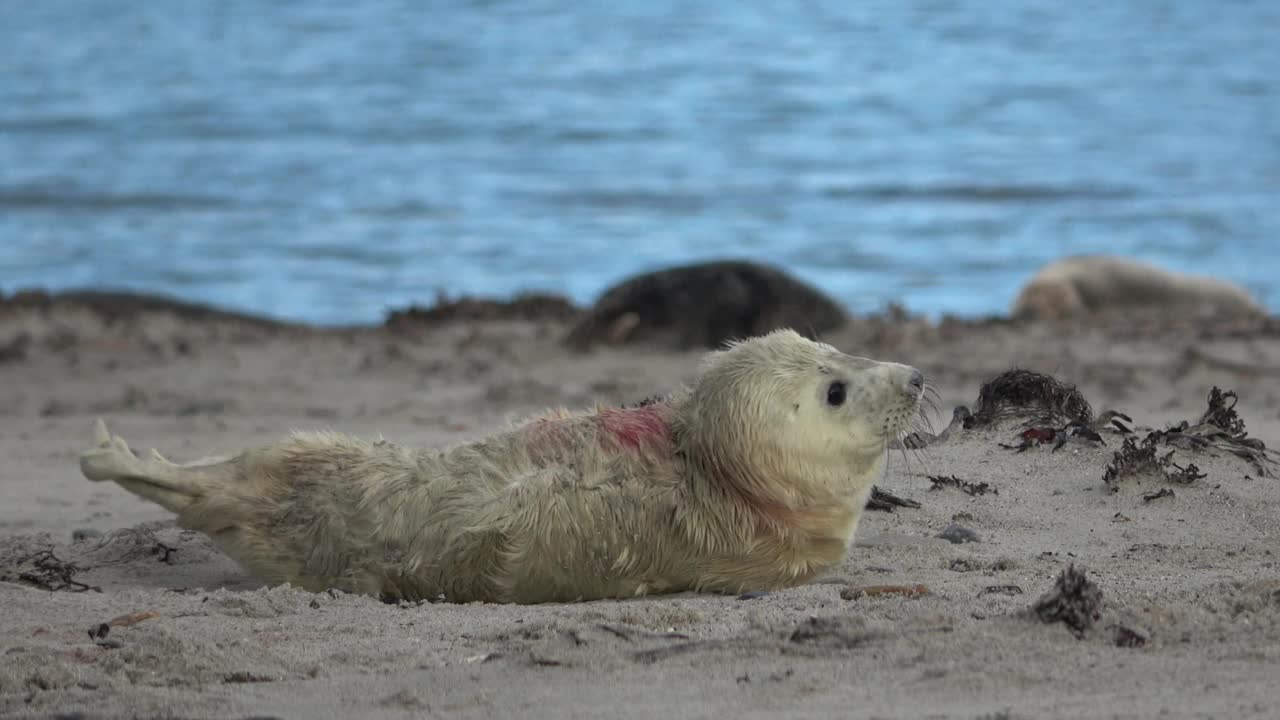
[958, 534]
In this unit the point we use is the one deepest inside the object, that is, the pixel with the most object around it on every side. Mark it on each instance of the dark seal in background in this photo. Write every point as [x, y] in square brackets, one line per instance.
[703, 305]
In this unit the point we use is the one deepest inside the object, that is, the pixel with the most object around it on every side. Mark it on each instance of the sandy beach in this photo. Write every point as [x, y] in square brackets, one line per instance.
[1188, 624]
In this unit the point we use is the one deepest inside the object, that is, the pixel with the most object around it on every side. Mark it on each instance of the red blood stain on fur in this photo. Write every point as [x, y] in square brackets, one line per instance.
[635, 428]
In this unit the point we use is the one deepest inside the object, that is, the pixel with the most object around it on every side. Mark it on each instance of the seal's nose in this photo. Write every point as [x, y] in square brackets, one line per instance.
[915, 382]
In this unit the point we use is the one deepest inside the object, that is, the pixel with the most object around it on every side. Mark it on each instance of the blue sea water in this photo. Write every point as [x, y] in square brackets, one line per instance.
[323, 161]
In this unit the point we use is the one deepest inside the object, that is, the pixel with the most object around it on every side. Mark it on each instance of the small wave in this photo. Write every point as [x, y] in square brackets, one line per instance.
[979, 193]
[625, 200]
[346, 256]
[34, 197]
[407, 210]
[588, 135]
[52, 125]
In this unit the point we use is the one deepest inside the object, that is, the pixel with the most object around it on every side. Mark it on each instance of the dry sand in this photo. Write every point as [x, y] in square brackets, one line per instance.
[1189, 625]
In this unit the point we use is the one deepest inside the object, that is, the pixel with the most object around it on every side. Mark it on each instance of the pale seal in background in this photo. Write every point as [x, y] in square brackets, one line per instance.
[1091, 283]
[754, 478]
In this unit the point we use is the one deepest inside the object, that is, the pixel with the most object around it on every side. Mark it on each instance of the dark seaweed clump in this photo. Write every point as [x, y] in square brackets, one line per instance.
[1018, 392]
[1074, 601]
[528, 306]
[1220, 427]
[46, 571]
[115, 306]
[971, 488]
[1222, 414]
[1138, 458]
[887, 501]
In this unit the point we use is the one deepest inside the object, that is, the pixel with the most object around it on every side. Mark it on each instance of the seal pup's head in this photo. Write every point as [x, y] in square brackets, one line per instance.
[794, 426]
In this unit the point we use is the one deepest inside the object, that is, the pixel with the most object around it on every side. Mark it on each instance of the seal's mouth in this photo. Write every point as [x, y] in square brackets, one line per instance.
[912, 416]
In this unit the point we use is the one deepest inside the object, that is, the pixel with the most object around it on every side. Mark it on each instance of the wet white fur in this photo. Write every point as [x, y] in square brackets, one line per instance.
[758, 485]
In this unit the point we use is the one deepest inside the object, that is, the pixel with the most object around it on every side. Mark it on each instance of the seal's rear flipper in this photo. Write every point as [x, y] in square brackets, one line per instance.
[172, 486]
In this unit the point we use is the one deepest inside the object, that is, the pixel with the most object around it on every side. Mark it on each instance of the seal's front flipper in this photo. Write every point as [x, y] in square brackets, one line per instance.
[172, 486]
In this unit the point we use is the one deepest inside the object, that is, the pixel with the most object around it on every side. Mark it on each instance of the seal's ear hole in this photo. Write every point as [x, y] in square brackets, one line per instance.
[836, 393]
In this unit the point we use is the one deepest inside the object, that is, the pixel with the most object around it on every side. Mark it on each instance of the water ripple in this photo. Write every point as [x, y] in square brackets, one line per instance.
[39, 197]
[321, 160]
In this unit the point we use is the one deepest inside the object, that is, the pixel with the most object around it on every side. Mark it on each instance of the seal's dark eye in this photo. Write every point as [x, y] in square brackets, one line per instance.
[835, 394]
